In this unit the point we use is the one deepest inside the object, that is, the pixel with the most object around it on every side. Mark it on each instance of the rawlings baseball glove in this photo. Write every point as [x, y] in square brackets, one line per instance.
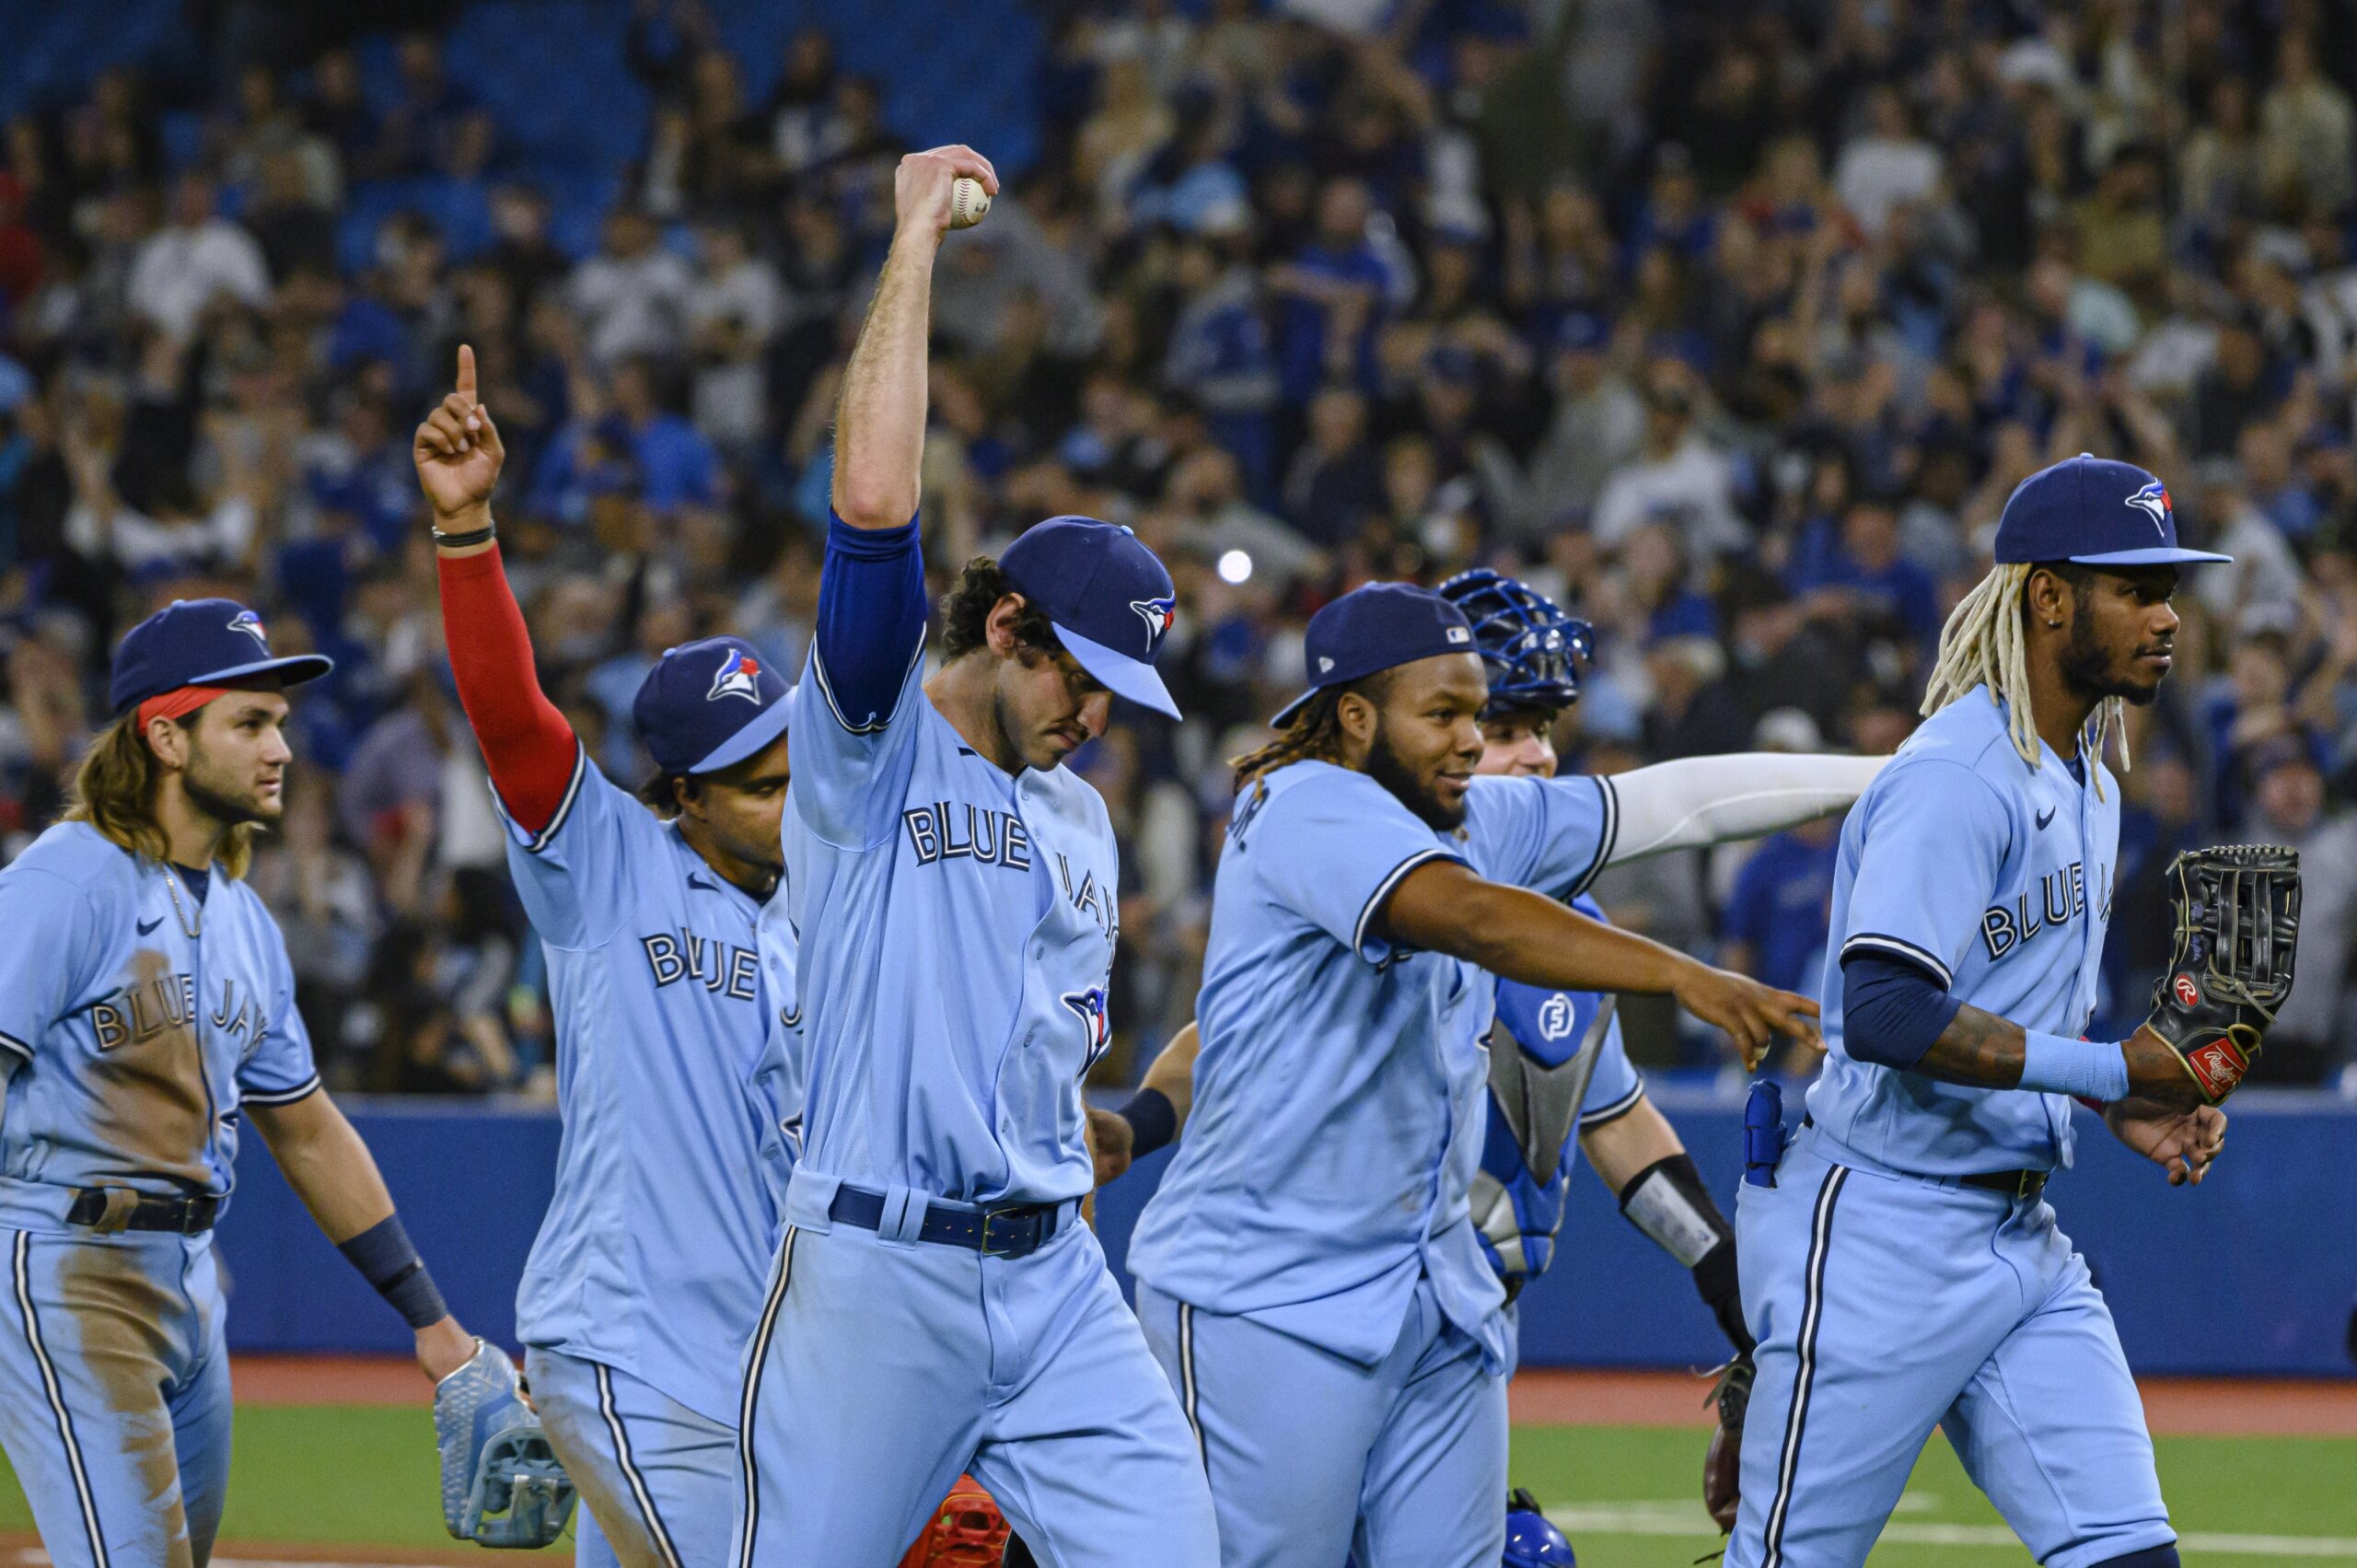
[501, 1481]
[966, 1531]
[2237, 932]
[1723, 1464]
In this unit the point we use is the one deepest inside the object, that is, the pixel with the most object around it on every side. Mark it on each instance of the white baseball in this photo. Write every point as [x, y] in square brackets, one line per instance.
[969, 202]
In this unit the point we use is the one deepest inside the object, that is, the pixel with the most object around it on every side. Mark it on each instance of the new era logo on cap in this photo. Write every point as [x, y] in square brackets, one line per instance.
[738, 676]
[1375, 628]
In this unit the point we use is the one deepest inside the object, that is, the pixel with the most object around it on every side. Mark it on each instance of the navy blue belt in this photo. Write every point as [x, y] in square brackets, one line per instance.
[108, 1210]
[1016, 1230]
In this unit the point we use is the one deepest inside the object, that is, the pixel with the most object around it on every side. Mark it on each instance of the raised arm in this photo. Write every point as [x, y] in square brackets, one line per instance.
[1442, 906]
[880, 425]
[530, 751]
[1699, 801]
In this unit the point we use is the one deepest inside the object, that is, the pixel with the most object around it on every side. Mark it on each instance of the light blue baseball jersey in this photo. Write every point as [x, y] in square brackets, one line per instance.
[656, 1248]
[957, 928]
[1341, 1093]
[1996, 881]
[139, 1027]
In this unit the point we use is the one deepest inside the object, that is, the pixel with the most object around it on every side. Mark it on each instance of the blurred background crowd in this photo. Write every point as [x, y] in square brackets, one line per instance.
[1729, 323]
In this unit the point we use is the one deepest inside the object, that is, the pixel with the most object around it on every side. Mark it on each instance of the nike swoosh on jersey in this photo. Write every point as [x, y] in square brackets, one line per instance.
[696, 881]
[2044, 818]
[147, 925]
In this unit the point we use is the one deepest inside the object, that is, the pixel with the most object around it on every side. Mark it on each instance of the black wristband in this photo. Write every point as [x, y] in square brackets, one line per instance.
[1721, 1288]
[482, 535]
[387, 1261]
[1152, 1120]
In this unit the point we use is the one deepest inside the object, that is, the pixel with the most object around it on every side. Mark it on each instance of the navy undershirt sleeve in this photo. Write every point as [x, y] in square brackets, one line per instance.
[871, 619]
[1891, 1011]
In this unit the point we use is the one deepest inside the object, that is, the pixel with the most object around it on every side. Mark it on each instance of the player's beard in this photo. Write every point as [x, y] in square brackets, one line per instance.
[2087, 665]
[1387, 768]
[216, 802]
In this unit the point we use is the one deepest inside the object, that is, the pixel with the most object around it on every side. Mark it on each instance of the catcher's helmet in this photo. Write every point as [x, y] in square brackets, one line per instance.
[1526, 640]
[1531, 1541]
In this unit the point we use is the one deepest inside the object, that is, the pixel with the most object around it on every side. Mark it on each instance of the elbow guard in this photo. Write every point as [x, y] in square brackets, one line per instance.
[1669, 1203]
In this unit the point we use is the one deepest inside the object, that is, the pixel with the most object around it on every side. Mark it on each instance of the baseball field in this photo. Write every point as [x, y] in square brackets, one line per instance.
[334, 1464]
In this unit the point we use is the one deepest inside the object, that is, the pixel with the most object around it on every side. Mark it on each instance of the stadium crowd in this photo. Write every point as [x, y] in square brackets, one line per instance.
[1729, 325]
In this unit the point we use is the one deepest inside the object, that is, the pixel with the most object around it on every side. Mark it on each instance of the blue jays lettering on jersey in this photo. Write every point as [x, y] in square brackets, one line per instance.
[957, 924]
[1996, 880]
[141, 1026]
[1557, 1068]
[1339, 1098]
[652, 1257]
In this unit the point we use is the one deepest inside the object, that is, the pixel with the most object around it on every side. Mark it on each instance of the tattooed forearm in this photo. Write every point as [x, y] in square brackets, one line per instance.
[1977, 1048]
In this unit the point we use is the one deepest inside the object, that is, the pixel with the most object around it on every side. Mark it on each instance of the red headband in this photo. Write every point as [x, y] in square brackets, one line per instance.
[178, 702]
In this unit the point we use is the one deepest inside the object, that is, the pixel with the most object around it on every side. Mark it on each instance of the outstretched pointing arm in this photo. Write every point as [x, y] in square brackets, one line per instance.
[528, 748]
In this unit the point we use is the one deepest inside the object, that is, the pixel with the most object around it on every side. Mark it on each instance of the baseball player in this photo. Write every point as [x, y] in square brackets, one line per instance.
[647, 1273]
[1309, 1272]
[954, 891]
[147, 1009]
[1901, 1267]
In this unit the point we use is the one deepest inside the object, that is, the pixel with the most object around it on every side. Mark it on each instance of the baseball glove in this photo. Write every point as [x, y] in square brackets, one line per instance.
[1723, 1465]
[2237, 932]
[501, 1482]
[966, 1531]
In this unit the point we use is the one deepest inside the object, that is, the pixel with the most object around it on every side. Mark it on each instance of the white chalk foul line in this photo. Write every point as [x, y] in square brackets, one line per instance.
[1680, 1519]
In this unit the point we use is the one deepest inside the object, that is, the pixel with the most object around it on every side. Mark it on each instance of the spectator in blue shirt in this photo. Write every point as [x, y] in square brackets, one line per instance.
[1862, 573]
[1333, 293]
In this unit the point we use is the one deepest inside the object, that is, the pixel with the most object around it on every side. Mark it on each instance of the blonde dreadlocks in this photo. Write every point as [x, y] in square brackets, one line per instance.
[1984, 642]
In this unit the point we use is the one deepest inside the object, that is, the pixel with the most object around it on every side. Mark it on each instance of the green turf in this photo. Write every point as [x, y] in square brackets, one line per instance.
[1630, 1495]
[1631, 1498]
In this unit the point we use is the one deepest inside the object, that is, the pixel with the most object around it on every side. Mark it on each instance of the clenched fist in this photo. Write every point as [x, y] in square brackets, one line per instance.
[458, 454]
[920, 187]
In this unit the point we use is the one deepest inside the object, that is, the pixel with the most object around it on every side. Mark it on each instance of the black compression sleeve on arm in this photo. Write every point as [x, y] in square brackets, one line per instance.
[386, 1260]
[1891, 1011]
[1669, 1203]
[1152, 1120]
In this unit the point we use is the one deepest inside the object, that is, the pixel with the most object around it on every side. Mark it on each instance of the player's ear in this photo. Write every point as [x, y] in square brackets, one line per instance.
[1357, 715]
[168, 741]
[1000, 629]
[2047, 597]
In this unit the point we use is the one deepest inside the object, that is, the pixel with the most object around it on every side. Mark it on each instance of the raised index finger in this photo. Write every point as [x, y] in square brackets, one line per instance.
[467, 372]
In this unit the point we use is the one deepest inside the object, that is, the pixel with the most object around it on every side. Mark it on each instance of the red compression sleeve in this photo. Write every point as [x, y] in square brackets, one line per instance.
[526, 742]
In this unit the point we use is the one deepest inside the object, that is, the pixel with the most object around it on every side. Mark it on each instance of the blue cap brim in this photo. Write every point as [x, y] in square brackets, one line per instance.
[292, 670]
[758, 732]
[2158, 555]
[1119, 673]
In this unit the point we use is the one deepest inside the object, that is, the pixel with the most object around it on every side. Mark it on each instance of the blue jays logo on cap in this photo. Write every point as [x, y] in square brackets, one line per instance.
[680, 714]
[1089, 1007]
[738, 676]
[2153, 501]
[1158, 614]
[246, 620]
